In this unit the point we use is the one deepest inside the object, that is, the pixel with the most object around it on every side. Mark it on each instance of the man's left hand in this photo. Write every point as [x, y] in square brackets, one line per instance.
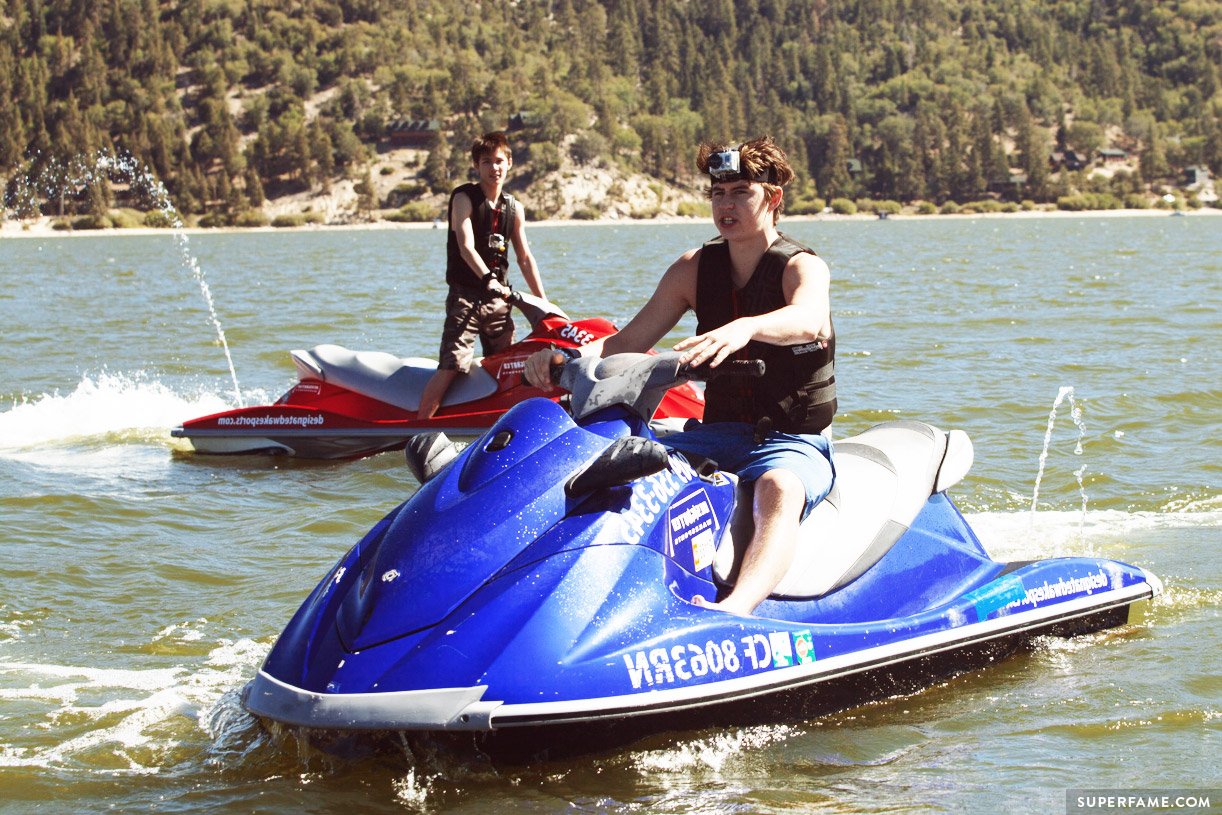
[716, 346]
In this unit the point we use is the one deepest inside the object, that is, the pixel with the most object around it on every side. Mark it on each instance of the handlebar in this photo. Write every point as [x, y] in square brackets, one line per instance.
[636, 381]
[735, 368]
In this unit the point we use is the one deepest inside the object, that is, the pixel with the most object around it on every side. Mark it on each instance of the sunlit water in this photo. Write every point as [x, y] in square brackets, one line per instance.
[145, 584]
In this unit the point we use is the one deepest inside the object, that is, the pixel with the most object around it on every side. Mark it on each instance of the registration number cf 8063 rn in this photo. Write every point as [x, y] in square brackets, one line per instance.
[689, 661]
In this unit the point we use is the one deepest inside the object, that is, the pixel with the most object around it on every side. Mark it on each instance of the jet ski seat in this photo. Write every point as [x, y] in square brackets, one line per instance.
[397, 381]
[884, 476]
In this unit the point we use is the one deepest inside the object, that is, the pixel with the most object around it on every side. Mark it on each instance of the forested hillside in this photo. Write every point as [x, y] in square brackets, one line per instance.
[230, 102]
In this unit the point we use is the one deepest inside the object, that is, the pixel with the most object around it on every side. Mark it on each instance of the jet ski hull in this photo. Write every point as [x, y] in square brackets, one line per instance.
[538, 589]
[519, 733]
[350, 404]
[556, 686]
[308, 432]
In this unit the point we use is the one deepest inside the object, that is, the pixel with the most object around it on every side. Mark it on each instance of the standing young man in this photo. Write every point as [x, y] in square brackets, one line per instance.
[757, 295]
[484, 221]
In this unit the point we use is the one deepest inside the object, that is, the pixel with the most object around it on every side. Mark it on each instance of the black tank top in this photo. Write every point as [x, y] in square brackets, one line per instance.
[798, 389]
[493, 227]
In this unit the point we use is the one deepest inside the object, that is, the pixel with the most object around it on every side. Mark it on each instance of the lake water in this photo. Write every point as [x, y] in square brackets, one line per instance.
[143, 584]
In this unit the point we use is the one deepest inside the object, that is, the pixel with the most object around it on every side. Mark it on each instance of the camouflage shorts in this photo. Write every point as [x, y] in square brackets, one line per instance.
[467, 318]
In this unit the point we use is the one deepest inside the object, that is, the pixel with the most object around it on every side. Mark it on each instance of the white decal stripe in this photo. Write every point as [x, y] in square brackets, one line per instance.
[780, 679]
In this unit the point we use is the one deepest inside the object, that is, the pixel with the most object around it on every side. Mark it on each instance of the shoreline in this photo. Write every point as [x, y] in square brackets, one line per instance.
[41, 227]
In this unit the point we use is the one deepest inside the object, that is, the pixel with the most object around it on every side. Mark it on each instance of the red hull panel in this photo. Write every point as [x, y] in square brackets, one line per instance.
[317, 419]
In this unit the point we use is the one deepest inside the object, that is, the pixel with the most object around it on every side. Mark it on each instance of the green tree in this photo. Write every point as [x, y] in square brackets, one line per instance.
[366, 195]
[1032, 145]
[833, 176]
[436, 167]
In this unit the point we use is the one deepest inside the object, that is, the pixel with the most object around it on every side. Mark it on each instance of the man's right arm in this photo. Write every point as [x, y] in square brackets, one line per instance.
[675, 294]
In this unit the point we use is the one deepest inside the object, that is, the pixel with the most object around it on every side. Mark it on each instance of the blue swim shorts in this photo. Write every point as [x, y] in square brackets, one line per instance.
[732, 445]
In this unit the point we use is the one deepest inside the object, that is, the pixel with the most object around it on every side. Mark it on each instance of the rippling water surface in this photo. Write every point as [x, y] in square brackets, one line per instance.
[145, 584]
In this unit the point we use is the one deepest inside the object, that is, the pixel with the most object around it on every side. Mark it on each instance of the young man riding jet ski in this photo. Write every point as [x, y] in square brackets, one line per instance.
[757, 294]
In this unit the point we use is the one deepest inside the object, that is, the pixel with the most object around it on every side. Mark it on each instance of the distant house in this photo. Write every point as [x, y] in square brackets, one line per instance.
[1198, 180]
[1195, 177]
[1069, 159]
[523, 120]
[854, 167]
[1112, 155]
[412, 132]
[1011, 186]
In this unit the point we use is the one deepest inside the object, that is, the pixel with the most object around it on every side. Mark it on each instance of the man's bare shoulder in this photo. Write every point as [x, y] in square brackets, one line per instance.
[684, 268]
[460, 211]
[461, 204]
[805, 263]
[686, 264]
[679, 281]
[519, 222]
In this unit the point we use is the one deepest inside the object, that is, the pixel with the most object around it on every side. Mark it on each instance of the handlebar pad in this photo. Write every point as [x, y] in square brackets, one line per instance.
[737, 368]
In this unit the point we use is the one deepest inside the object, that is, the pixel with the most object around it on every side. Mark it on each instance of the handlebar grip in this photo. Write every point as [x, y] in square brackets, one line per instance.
[736, 368]
[555, 368]
[743, 367]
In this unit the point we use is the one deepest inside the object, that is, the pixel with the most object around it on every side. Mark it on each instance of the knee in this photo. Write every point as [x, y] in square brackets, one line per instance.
[779, 488]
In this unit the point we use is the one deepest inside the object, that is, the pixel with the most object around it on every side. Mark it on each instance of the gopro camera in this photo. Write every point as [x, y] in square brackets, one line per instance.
[724, 164]
[496, 242]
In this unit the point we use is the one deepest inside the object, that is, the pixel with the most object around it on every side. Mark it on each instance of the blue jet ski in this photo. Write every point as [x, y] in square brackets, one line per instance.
[537, 588]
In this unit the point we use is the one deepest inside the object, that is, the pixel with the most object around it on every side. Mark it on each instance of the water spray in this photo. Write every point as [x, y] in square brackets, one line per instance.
[1075, 413]
[56, 178]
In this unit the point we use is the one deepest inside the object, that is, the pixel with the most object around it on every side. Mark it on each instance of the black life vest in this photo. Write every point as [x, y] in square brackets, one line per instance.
[798, 389]
[486, 221]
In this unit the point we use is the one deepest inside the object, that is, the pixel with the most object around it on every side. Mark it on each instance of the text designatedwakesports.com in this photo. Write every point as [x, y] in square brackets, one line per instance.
[270, 421]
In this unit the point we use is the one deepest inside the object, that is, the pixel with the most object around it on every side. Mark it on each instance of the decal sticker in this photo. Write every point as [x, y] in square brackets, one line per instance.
[703, 550]
[693, 523]
[804, 646]
[999, 594]
[782, 650]
[511, 367]
[650, 495]
[576, 335]
[1010, 593]
[390, 576]
[690, 661]
[270, 421]
[1065, 588]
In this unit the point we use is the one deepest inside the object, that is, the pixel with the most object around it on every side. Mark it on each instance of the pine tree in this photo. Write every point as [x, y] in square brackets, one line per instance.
[366, 195]
[436, 172]
[833, 178]
[1031, 143]
[254, 187]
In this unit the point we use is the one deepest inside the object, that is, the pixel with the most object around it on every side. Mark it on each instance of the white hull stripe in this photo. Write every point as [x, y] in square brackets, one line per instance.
[509, 715]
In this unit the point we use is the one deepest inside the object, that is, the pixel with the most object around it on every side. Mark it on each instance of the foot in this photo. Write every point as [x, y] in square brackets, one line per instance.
[722, 606]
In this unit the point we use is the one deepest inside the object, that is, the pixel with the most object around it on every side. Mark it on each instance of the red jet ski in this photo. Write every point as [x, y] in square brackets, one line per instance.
[349, 404]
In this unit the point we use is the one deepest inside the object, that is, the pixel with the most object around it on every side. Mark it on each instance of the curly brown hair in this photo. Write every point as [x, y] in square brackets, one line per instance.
[758, 158]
